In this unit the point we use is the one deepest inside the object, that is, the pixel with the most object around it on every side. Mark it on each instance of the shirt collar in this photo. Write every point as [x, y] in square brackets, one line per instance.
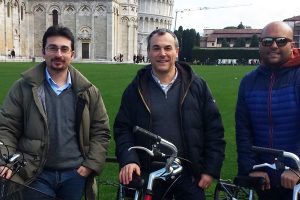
[54, 85]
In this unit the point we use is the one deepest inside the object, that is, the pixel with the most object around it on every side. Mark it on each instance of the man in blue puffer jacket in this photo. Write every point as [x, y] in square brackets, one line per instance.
[268, 111]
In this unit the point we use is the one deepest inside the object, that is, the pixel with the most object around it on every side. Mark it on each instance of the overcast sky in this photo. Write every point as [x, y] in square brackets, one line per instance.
[256, 13]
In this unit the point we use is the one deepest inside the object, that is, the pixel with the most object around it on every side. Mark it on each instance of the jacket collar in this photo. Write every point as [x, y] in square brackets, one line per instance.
[35, 77]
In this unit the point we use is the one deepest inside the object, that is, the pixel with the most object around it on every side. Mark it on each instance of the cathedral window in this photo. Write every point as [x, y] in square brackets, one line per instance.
[55, 17]
[22, 12]
[8, 9]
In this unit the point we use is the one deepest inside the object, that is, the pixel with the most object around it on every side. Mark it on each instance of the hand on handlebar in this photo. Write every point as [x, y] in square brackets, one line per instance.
[125, 175]
[289, 179]
[5, 172]
[267, 185]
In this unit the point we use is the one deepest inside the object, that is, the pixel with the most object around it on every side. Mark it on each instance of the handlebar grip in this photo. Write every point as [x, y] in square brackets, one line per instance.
[274, 152]
[147, 133]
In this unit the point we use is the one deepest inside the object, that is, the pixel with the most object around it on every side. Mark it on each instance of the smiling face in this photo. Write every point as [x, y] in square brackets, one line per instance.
[58, 53]
[276, 55]
[162, 53]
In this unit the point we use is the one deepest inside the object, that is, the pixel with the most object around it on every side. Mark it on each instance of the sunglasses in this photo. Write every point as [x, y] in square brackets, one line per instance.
[280, 41]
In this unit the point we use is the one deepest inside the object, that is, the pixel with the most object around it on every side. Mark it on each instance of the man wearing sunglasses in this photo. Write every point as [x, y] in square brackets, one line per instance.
[268, 111]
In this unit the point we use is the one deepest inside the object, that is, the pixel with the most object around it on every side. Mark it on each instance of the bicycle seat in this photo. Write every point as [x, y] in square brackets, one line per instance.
[249, 182]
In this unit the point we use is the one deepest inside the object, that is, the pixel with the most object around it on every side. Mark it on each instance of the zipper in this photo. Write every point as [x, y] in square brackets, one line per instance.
[272, 81]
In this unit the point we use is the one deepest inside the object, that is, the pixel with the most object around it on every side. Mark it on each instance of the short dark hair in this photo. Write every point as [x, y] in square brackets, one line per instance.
[58, 30]
[161, 31]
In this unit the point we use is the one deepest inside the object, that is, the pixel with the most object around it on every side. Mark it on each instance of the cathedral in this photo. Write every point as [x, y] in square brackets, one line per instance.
[103, 29]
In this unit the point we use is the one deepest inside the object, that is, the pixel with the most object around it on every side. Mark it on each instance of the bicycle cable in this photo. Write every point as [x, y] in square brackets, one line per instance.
[168, 189]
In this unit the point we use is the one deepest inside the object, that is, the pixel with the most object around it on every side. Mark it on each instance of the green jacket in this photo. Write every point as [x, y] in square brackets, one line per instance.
[24, 127]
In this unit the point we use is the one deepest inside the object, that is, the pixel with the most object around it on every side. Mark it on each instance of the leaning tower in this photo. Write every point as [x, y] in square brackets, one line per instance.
[152, 14]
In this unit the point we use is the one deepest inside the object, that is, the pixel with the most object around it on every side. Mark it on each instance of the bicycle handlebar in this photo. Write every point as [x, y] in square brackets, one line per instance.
[158, 139]
[147, 133]
[161, 141]
[277, 153]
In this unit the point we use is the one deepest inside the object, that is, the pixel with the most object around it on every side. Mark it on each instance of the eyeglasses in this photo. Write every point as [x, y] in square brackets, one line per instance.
[54, 49]
[280, 41]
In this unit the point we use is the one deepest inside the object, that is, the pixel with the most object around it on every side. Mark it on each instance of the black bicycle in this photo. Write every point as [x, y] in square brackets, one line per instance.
[244, 187]
[9, 189]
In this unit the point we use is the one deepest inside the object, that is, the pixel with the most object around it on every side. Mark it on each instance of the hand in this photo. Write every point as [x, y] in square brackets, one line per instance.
[267, 185]
[5, 172]
[84, 171]
[289, 179]
[126, 172]
[205, 181]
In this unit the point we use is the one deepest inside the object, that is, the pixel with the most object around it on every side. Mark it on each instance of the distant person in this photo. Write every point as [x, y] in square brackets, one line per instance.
[268, 110]
[9, 54]
[13, 53]
[57, 119]
[170, 100]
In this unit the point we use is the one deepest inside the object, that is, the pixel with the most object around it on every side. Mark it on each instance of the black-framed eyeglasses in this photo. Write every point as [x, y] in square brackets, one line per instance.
[280, 41]
[54, 49]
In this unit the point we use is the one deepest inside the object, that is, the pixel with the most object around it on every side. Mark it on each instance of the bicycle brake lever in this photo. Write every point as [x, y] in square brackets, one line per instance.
[272, 166]
[151, 153]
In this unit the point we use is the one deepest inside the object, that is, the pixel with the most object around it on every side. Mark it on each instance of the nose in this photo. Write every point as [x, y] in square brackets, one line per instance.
[274, 44]
[162, 52]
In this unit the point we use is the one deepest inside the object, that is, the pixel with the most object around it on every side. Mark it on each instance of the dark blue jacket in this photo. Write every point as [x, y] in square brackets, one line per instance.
[268, 114]
[201, 125]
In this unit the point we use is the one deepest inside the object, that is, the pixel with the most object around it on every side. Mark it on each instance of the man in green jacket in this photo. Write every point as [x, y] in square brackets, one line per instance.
[57, 119]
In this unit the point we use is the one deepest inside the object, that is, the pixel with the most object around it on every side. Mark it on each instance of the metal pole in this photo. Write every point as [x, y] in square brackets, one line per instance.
[175, 20]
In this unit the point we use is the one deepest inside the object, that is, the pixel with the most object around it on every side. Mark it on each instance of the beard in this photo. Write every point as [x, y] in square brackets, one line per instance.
[58, 64]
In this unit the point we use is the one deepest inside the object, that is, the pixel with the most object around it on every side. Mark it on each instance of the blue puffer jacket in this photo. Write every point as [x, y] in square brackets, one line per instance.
[268, 114]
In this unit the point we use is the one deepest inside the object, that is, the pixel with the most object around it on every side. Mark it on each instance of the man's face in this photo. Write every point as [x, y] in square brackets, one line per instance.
[58, 53]
[162, 53]
[275, 54]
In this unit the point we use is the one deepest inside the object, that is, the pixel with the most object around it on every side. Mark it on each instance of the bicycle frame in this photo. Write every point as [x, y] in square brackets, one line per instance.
[171, 169]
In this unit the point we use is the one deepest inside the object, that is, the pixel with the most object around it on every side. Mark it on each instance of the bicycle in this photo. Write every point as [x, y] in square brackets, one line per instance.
[243, 187]
[9, 189]
[171, 169]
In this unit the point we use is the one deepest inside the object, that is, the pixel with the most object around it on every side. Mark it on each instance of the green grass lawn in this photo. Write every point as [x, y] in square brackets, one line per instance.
[112, 79]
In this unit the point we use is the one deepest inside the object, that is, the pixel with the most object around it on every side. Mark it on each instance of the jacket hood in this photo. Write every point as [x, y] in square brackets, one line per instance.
[35, 76]
[294, 60]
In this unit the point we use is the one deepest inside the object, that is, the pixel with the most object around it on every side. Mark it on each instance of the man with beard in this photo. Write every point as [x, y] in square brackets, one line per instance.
[57, 119]
[268, 111]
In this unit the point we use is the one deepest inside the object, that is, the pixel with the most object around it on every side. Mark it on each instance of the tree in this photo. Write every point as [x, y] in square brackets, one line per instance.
[241, 26]
[225, 43]
[197, 44]
[187, 39]
[254, 41]
[240, 42]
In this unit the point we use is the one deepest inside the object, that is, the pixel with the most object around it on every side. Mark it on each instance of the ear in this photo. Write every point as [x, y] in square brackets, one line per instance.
[73, 54]
[293, 45]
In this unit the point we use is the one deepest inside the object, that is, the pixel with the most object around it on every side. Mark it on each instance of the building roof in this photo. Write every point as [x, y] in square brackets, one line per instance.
[295, 18]
[233, 33]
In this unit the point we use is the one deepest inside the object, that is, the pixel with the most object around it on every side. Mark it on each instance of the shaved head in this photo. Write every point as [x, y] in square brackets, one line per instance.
[279, 47]
[278, 29]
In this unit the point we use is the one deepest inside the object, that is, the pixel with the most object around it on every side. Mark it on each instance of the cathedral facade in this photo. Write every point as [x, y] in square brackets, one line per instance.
[103, 29]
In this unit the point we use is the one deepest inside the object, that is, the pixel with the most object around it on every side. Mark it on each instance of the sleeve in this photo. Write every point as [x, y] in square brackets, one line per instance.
[99, 135]
[11, 118]
[214, 135]
[123, 129]
[244, 133]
